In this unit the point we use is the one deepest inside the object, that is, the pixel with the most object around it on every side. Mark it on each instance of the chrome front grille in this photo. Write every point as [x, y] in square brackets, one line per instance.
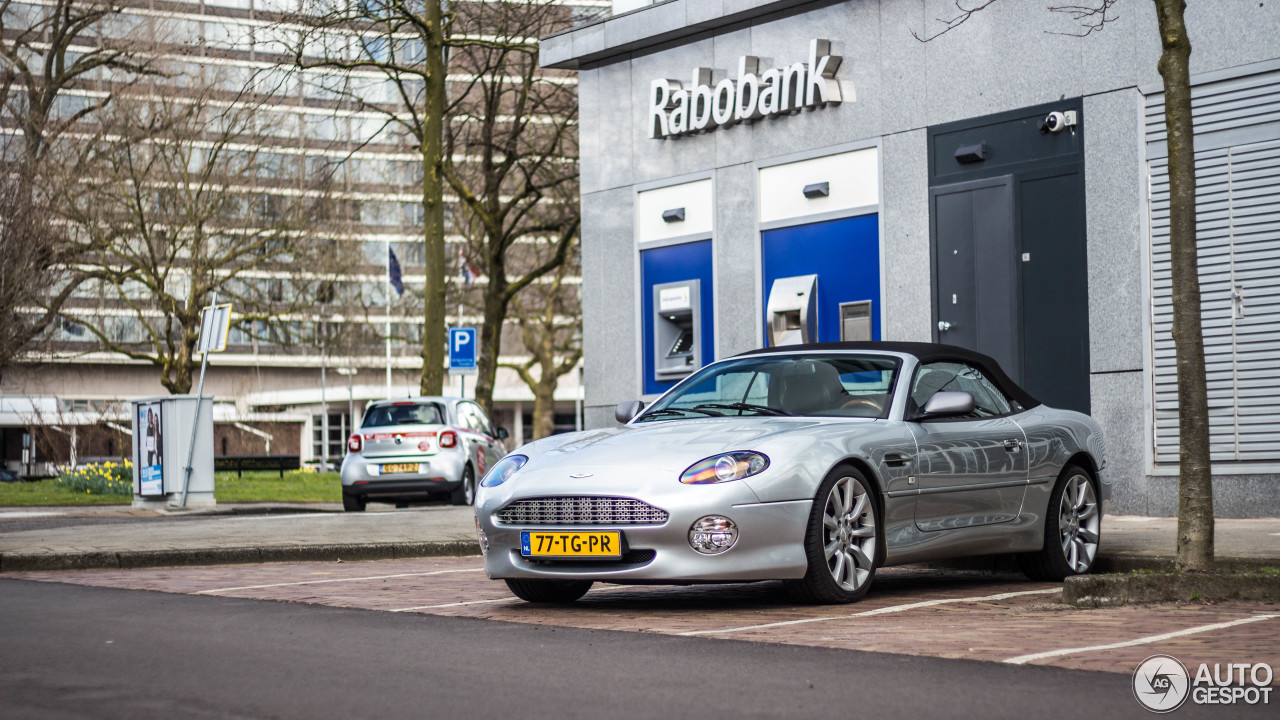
[581, 511]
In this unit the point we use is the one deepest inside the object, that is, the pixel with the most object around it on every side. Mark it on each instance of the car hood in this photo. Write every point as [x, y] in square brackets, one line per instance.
[669, 445]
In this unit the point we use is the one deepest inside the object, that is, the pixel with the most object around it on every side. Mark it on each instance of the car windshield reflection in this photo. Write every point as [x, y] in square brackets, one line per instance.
[833, 385]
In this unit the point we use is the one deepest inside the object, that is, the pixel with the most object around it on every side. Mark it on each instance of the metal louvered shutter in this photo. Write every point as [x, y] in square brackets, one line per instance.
[1238, 235]
[1237, 123]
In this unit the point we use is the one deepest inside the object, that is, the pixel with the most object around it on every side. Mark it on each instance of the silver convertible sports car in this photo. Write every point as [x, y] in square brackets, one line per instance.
[810, 464]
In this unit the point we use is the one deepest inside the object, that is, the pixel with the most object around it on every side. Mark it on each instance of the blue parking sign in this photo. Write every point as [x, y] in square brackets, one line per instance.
[462, 348]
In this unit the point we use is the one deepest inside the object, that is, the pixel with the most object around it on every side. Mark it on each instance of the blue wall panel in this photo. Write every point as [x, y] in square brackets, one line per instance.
[674, 263]
[844, 254]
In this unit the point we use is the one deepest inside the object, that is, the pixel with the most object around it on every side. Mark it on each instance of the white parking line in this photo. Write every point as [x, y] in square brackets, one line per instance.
[457, 604]
[1023, 659]
[878, 611]
[336, 580]
[512, 600]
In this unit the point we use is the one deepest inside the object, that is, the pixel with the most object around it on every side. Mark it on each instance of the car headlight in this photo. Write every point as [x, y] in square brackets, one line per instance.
[725, 467]
[503, 471]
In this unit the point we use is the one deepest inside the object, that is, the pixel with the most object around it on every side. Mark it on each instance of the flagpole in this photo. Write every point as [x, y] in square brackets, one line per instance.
[462, 377]
[387, 294]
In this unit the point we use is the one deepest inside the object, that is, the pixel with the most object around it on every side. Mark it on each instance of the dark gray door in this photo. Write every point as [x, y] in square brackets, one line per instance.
[975, 304]
[1055, 287]
[1011, 194]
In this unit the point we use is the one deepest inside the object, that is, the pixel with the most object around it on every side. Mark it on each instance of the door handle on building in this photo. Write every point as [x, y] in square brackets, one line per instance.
[943, 326]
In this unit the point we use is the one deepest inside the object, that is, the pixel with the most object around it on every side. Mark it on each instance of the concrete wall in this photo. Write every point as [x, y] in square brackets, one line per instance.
[1003, 58]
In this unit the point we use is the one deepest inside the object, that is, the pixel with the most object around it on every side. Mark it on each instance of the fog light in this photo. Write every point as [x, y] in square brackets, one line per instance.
[484, 539]
[713, 535]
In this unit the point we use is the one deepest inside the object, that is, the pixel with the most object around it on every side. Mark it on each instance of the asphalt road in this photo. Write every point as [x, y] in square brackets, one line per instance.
[74, 651]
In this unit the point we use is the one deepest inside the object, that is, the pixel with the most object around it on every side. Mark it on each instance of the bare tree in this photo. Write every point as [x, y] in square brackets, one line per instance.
[550, 318]
[512, 162]
[47, 50]
[1195, 478]
[500, 134]
[190, 201]
[403, 43]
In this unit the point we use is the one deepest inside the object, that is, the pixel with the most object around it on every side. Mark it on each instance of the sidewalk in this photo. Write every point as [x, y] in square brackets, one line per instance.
[322, 532]
[231, 534]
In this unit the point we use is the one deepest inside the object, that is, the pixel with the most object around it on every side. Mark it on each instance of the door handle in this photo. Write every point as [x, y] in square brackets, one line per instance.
[943, 326]
[1013, 445]
[896, 459]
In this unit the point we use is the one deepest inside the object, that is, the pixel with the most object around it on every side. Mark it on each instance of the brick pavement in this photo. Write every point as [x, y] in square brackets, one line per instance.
[993, 629]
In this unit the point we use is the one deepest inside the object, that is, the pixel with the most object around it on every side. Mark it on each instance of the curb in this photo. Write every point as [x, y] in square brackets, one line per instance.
[131, 559]
[1123, 563]
[1160, 587]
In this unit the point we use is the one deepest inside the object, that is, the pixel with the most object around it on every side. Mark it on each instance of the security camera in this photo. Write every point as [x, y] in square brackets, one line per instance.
[1056, 121]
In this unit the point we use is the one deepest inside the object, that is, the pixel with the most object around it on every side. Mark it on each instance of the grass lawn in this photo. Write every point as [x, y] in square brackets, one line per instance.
[252, 487]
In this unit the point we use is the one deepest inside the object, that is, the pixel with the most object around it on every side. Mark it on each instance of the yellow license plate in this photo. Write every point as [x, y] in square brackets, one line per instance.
[400, 468]
[571, 544]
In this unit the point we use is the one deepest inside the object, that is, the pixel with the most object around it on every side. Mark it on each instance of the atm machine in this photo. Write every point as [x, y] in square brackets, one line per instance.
[677, 326]
[792, 310]
[823, 282]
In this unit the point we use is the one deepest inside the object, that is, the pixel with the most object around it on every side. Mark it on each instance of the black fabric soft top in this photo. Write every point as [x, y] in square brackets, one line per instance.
[925, 353]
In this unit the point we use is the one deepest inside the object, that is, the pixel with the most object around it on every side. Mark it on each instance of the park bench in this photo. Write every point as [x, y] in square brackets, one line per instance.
[240, 463]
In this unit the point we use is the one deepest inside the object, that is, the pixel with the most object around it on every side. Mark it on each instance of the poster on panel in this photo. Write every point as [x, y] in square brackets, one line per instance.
[150, 449]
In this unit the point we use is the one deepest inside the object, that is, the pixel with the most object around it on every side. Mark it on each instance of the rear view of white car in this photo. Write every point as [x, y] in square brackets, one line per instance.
[417, 449]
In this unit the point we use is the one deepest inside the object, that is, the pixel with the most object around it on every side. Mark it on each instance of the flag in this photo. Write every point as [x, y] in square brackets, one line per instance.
[393, 272]
[469, 271]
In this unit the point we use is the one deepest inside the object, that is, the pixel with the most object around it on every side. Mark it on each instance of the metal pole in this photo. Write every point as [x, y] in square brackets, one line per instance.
[577, 402]
[195, 423]
[386, 286]
[324, 403]
[351, 401]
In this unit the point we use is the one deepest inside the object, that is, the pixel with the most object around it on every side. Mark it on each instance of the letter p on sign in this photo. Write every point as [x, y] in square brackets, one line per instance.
[462, 349]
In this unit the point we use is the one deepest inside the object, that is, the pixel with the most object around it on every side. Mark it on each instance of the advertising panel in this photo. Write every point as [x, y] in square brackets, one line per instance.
[150, 449]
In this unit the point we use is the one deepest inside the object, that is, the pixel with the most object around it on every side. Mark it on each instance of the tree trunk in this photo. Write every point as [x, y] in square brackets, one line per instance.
[495, 314]
[431, 381]
[544, 406]
[1195, 480]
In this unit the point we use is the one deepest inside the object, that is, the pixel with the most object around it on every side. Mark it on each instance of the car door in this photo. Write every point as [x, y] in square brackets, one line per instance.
[482, 447]
[971, 470]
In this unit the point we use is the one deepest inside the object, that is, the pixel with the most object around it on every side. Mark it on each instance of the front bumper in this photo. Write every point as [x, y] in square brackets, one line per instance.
[770, 543]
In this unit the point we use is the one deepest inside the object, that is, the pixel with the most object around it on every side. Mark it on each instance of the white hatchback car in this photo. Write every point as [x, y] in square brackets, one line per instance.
[417, 448]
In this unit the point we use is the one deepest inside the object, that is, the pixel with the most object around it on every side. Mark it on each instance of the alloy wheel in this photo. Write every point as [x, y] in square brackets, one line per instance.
[1078, 521]
[849, 533]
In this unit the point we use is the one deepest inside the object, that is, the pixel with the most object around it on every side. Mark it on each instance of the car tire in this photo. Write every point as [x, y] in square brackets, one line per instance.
[549, 591]
[842, 541]
[353, 503]
[465, 494]
[1072, 525]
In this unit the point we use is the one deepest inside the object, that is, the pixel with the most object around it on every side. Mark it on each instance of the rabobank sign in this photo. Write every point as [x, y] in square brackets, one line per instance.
[675, 110]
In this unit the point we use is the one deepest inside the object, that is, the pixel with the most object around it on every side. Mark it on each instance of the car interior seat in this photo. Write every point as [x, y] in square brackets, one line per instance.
[805, 388]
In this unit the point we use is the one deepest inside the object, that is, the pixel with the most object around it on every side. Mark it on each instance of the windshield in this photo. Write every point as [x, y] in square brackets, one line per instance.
[806, 385]
[403, 413]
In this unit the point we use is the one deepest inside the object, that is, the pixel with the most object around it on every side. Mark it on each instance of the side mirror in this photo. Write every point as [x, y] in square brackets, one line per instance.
[947, 404]
[503, 434]
[627, 410]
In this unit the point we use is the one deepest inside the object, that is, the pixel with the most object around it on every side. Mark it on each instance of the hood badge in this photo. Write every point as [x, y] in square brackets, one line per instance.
[580, 475]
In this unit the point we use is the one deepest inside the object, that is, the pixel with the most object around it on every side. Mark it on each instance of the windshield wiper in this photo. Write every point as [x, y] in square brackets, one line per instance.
[762, 409]
[677, 411]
